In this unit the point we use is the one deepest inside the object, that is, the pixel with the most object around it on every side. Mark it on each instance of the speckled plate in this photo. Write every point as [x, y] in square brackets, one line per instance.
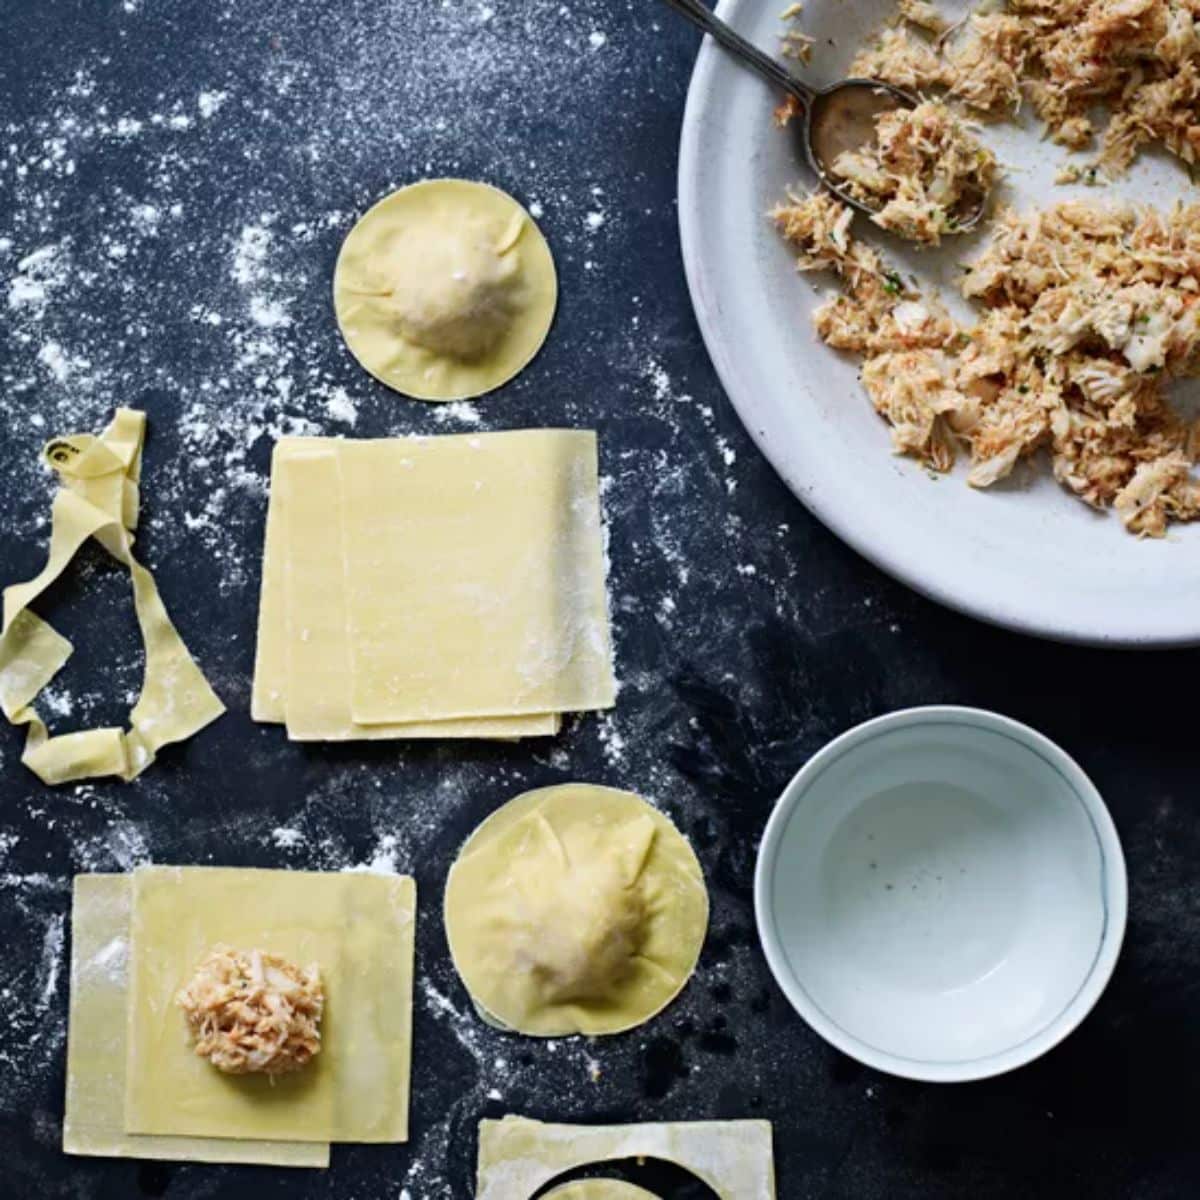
[1024, 554]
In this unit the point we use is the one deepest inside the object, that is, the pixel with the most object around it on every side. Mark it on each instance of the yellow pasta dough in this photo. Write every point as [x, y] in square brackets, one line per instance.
[302, 671]
[518, 1156]
[575, 909]
[99, 499]
[93, 1121]
[600, 1189]
[445, 289]
[475, 576]
[357, 927]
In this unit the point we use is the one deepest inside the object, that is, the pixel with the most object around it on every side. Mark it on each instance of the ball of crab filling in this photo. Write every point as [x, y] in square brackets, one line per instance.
[253, 1012]
[456, 293]
[579, 942]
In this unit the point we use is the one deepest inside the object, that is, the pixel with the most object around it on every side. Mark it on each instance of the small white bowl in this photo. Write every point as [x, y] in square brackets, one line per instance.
[941, 894]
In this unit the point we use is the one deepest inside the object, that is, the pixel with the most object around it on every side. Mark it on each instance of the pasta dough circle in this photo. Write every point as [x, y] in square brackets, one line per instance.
[445, 289]
[575, 909]
[600, 1189]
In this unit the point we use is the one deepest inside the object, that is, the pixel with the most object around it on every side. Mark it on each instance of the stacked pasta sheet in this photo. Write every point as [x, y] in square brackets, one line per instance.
[426, 587]
[137, 1089]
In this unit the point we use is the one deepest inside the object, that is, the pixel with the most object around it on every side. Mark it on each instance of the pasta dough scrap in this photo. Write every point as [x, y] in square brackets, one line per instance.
[517, 1156]
[445, 289]
[475, 576]
[359, 927]
[303, 632]
[575, 909]
[99, 499]
[93, 1120]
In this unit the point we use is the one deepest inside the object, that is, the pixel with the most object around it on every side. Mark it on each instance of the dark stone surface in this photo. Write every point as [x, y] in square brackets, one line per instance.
[746, 635]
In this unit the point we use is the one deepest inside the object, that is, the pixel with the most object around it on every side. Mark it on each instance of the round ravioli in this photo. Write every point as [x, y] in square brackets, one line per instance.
[575, 909]
[600, 1189]
[445, 289]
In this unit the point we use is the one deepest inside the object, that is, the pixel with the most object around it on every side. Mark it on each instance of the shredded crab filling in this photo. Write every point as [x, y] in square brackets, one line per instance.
[253, 1012]
[922, 168]
[1088, 312]
[1140, 58]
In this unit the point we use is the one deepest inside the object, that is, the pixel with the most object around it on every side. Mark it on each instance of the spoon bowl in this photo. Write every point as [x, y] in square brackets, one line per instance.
[832, 120]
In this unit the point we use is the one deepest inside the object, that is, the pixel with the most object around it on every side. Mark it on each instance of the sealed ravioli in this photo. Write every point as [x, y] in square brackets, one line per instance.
[575, 909]
[445, 289]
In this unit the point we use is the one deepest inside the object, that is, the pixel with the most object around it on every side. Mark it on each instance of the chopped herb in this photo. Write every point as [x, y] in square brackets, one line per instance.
[893, 284]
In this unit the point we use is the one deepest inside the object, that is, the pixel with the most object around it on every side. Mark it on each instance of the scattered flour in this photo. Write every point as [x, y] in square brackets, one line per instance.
[459, 412]
[270, 314]
[341, 407]
[121, 847]
[220, 317]
[111, 960]
[384, 860]
[250, 253]
[210, 103]
[612, 741]
[39, 275]
[287, 839]
[51, 965]
[52, 357]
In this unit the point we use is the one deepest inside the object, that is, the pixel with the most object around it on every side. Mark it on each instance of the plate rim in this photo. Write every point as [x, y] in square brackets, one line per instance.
[1035, 621]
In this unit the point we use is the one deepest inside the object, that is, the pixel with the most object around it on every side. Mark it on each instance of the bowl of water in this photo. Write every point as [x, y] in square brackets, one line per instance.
[941, 894]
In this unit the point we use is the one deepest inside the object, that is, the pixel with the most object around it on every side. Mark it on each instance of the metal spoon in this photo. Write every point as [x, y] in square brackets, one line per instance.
[837, 118]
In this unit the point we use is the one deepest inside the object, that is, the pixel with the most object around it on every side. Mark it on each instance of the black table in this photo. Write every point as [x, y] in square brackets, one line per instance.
[182, 176]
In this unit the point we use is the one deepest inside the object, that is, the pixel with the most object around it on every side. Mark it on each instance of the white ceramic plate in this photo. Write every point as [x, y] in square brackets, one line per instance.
[1025, 554]
[941, 894]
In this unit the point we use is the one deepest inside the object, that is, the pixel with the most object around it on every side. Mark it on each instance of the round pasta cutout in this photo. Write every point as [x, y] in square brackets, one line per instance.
[600, 1189]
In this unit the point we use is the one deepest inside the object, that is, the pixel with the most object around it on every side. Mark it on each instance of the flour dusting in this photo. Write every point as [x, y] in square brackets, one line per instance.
[176, 188]
[51, 965]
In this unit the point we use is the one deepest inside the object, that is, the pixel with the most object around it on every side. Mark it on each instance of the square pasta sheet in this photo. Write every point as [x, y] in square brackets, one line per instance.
[433, 587]
[357, 927]
[93, 1122]
[317, 654]
[518, 1156]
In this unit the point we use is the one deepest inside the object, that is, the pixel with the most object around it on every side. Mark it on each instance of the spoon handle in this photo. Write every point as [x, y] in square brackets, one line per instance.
[751, 55]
